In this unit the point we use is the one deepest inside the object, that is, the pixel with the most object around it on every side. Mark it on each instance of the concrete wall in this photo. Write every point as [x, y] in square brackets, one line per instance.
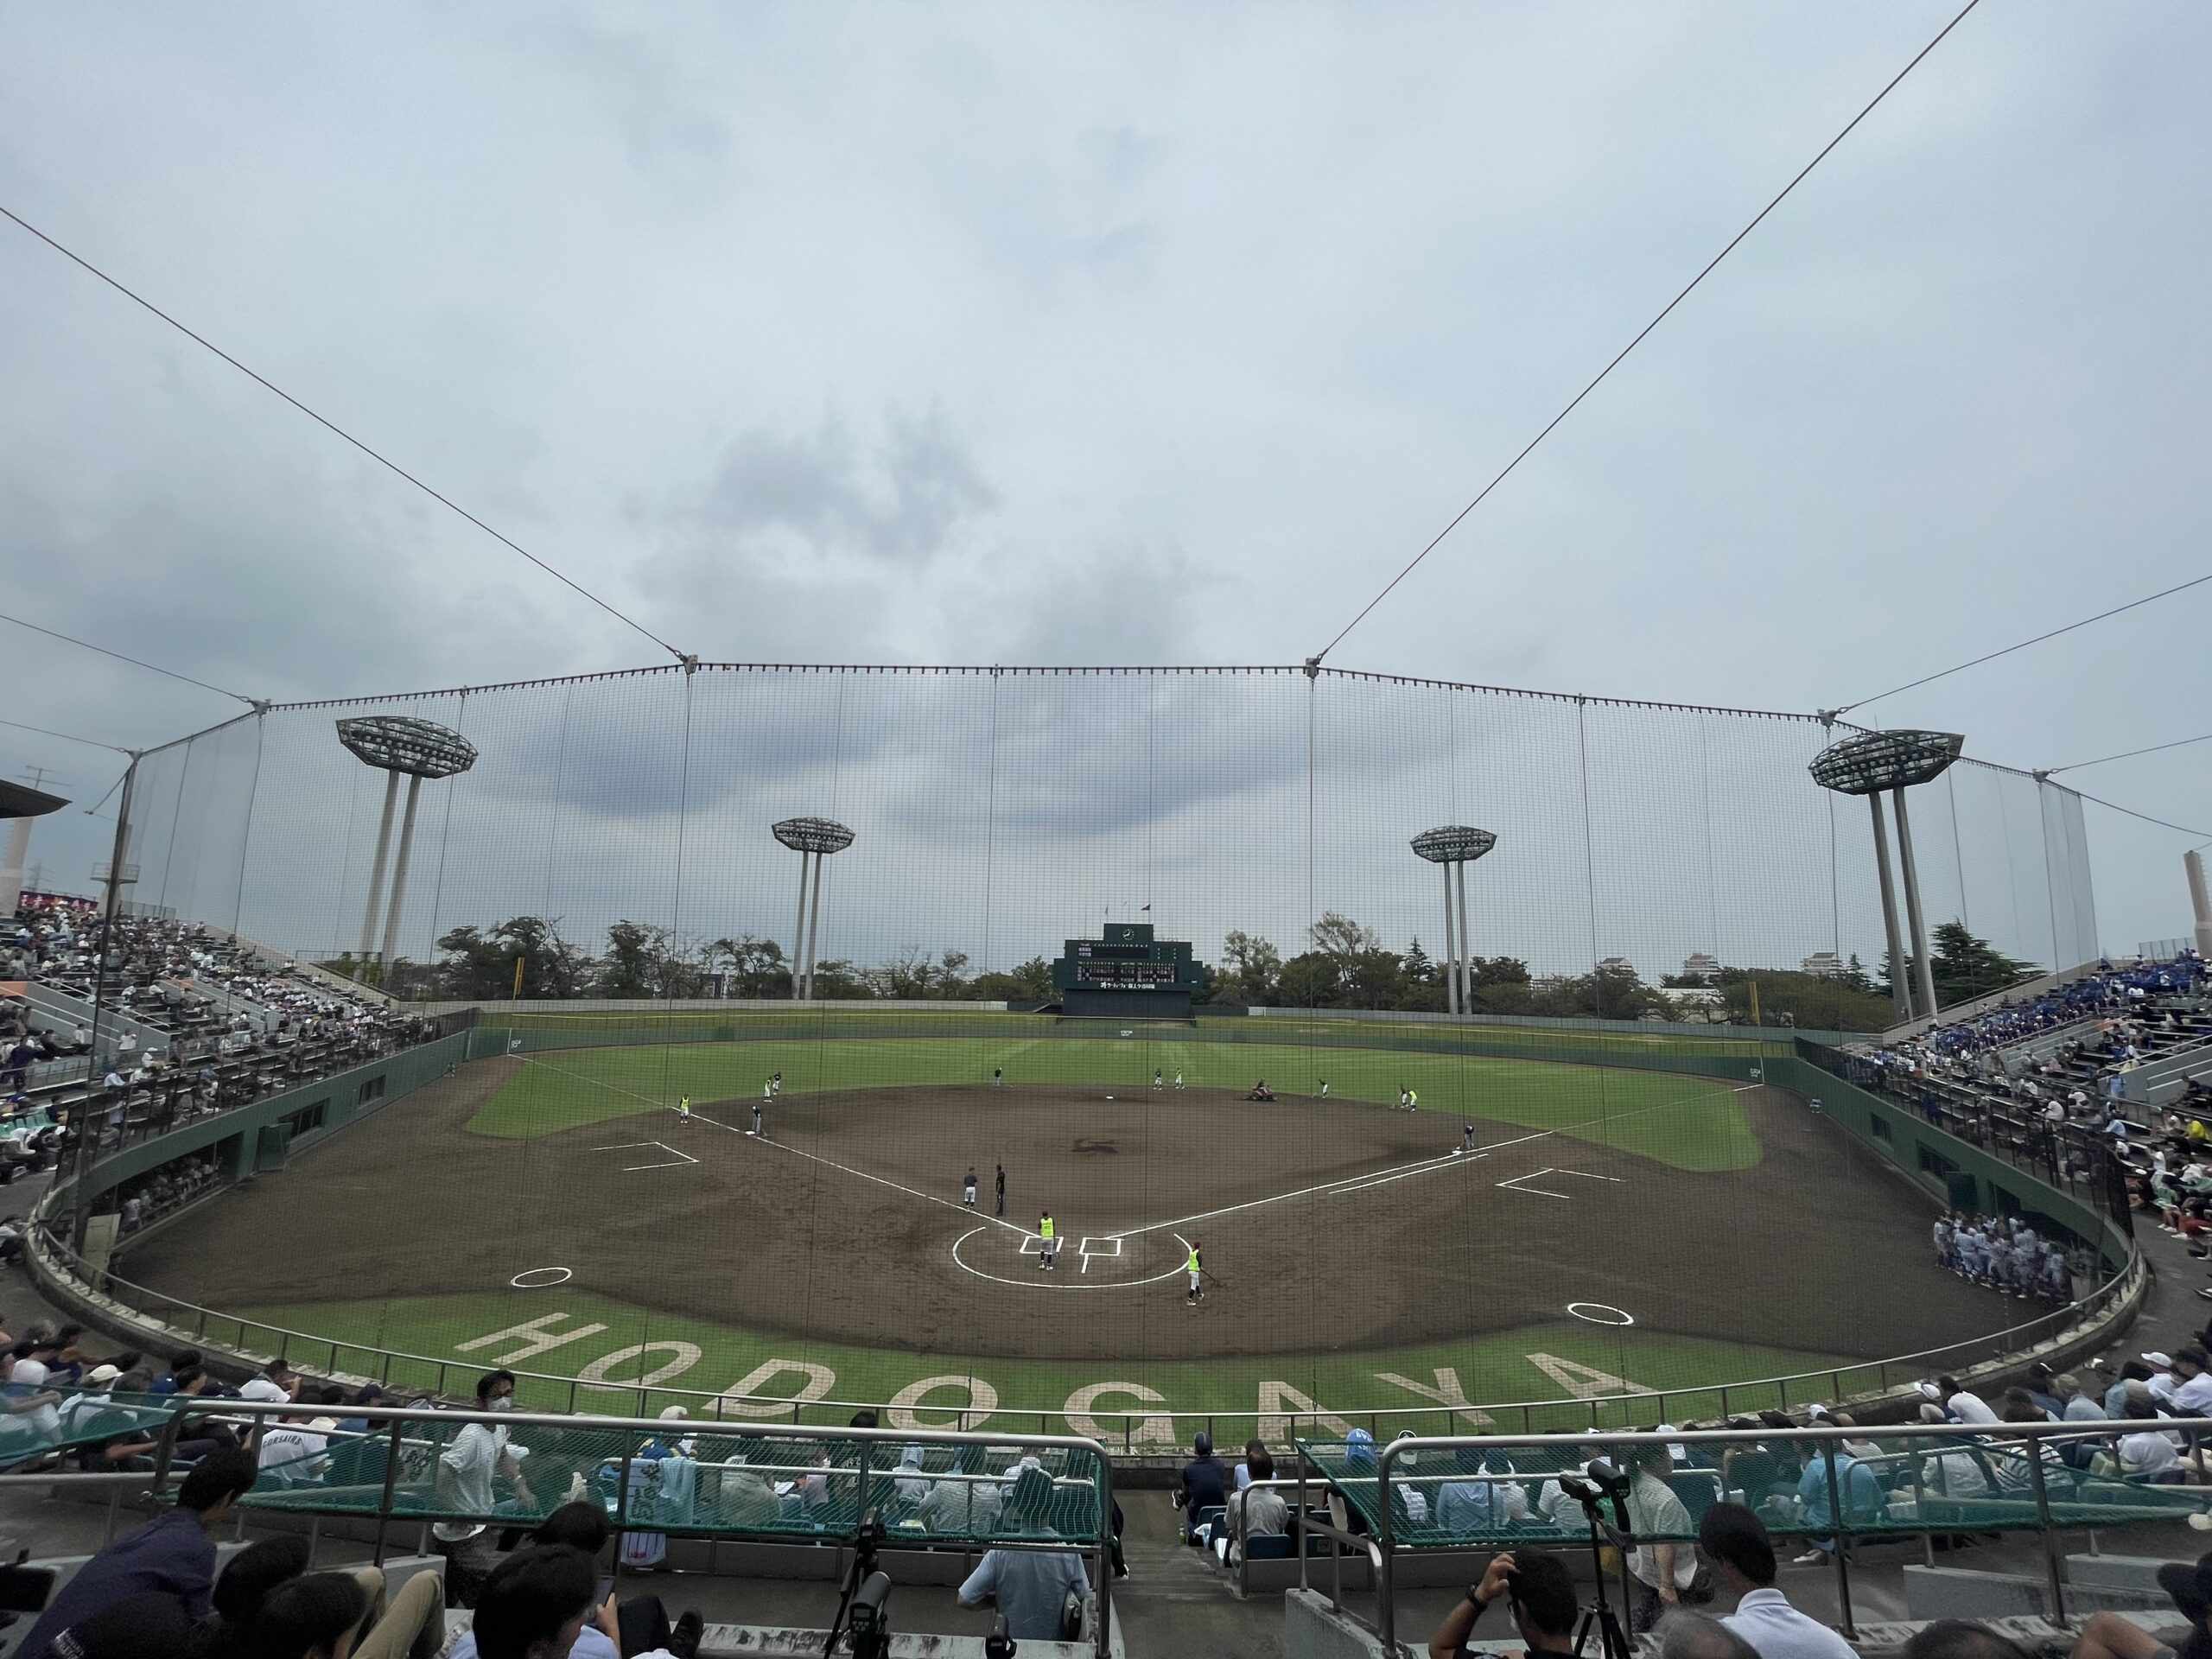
[1311, 1629]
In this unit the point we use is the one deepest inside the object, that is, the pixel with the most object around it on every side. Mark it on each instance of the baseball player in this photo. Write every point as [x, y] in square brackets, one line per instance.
[1405, 1098]
[1467, 1137]
[760, 1107]
[1324, 1088]
[1157, 1082]
[1001, 1194]
[1413, 1100]
[967, 1189]
[775, 1084]
[1195, 1266]
[1178, 1079]
[998, 1076]
[683, 1106]
[1046, 1242]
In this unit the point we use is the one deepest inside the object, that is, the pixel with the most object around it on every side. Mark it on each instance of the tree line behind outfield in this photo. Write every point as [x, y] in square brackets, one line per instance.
[1344, 965]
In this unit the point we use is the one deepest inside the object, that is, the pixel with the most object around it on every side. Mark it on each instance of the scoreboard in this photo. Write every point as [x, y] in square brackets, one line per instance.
[1125, 973]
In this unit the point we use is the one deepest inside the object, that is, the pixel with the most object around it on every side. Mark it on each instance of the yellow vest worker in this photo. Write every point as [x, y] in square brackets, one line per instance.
[1195, 1266]
[1047, 1243]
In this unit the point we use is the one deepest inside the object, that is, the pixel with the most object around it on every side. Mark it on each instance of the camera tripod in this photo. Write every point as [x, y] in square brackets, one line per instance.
[1612, 1634]
[860, 1600]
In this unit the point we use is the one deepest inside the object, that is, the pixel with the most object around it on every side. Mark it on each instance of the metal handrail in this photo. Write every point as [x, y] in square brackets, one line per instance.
[58, 1259]
[395, 1417]
[1991, 1435]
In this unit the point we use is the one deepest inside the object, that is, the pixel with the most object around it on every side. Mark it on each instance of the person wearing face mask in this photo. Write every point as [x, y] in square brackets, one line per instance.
[471, 1462]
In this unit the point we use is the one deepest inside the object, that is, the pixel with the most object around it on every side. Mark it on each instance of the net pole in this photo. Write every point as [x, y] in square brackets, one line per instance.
[87, 1130]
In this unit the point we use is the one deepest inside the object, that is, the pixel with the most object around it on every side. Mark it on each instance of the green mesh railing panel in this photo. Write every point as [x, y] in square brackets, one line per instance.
[76, 1423]
[708, 1484]
[1935, 1485]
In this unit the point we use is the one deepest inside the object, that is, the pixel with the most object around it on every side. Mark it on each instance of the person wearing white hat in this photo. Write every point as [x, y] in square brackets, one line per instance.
[99, 1387]
[30, 1418]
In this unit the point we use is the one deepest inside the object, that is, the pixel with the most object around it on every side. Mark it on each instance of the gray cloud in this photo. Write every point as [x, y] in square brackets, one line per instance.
[1124, 355]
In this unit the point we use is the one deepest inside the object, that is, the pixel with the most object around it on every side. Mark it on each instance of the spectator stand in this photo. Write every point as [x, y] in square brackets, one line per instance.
[2021, 1487]
[758, 1484]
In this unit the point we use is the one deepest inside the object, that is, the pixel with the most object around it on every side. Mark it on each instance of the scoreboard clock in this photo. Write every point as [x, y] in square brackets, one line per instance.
[1126, 973]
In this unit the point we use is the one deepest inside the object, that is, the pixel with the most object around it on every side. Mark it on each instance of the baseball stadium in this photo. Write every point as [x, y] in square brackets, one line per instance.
[921, 832]
[764, 1200]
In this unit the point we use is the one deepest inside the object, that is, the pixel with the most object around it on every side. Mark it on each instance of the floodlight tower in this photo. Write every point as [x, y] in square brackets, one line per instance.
[1866, 764]
[23, 805]
[815, 839]
[398, 745]
[1455, 846]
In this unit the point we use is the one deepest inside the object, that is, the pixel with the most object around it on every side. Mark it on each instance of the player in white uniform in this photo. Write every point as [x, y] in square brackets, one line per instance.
[967, 1189]
[760, 1109]
[683, 1106]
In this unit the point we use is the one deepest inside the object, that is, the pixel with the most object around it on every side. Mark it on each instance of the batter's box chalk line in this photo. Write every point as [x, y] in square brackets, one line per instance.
[1515, 1184]
[676, 1161]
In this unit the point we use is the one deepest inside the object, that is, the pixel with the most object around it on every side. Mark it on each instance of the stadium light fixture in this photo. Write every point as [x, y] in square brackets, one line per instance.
[815, 839]
[1455, 846]
[1869, 763]
[399, 745]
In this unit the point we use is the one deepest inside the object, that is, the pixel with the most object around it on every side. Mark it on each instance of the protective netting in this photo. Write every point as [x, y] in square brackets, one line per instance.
[999, 811]
[1467, 1496]
[587, 1195]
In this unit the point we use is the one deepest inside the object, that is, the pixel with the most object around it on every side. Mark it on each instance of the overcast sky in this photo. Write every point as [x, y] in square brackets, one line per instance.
[1121, 334]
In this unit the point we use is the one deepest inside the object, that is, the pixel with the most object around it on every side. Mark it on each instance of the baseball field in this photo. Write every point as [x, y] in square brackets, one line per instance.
[1532, 1230]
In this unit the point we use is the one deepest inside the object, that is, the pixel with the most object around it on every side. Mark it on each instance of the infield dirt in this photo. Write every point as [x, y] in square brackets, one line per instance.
[1325, 1226]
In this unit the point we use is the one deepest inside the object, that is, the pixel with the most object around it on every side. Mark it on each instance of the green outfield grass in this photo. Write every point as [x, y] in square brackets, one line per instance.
[1674, 1117]
[1560, 1361]
[1566, 1039]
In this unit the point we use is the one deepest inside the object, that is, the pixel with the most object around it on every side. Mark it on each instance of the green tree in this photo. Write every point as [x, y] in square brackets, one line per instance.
[755, 968]
[1250, 970]
[477, 966]
[1029, 981]
[1308, 980]
[1966, 967]
[1790, 997]
[839, 981]
[640, 962]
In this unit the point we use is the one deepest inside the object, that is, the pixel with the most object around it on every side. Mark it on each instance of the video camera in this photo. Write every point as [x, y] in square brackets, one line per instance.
[1604, 1484]
[870, 1619]
[862, 1607]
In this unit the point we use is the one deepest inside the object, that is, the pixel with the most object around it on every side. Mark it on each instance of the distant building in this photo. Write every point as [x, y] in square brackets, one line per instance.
[1549, 983]
[1822, 965]
[1616, 965]
[1701, 964]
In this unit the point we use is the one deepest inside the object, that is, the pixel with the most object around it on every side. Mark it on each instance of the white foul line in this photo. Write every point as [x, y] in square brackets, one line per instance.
[1372, 1178]
[813, 1158]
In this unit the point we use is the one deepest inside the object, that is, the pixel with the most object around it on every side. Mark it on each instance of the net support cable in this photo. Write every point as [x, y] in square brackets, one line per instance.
[1642, 333]
[332, 426]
